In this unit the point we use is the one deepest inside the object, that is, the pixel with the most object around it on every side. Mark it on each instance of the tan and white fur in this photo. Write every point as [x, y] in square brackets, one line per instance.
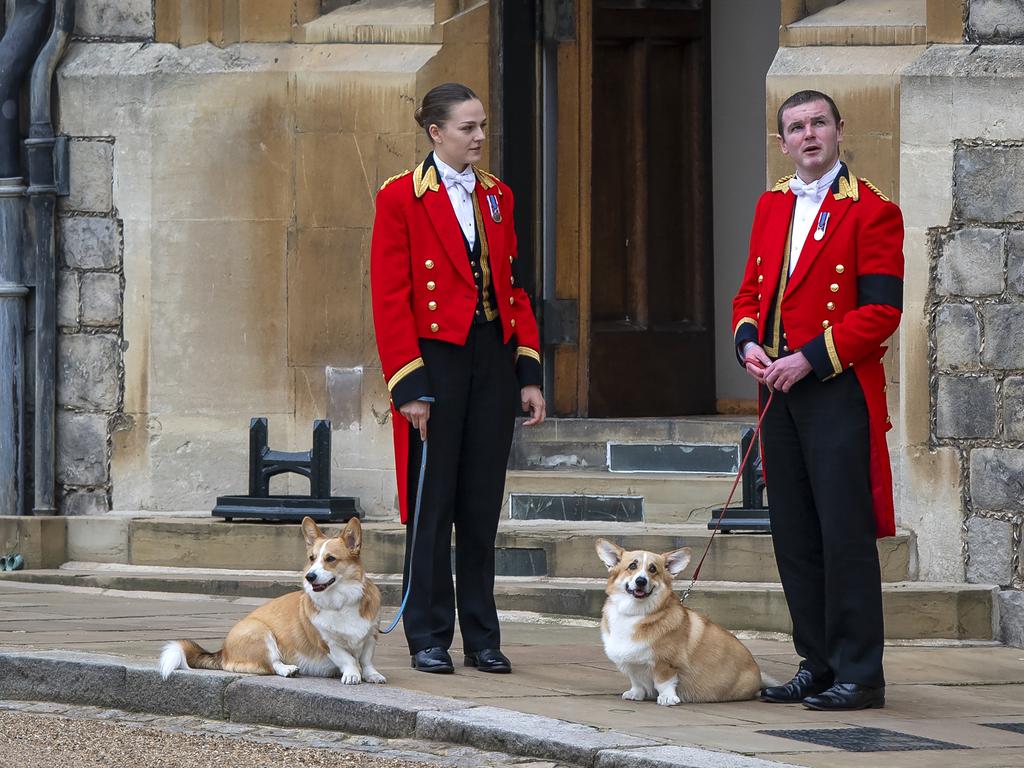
[328, 628]
[667, 650]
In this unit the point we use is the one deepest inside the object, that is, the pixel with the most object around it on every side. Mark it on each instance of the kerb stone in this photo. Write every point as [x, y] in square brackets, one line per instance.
[69, 678]
[678, 757]
[200, 694]
[327, 703]
[523, 734]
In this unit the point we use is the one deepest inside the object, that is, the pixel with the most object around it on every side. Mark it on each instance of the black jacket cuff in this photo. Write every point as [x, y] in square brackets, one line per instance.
[412, 386]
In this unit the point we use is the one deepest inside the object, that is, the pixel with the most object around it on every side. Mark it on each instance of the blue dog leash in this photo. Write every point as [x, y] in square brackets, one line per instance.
[412, 547]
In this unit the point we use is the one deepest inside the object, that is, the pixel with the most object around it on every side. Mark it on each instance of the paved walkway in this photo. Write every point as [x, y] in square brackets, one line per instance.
[950, 694]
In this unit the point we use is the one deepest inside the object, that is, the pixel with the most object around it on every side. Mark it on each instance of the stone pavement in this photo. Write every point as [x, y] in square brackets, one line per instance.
[90, 646]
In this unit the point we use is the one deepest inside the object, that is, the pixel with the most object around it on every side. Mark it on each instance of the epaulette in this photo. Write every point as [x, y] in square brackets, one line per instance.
[874, 189]
[848, 188]
[396, 177]
[782, 185]
[421, 181]
[487, 180]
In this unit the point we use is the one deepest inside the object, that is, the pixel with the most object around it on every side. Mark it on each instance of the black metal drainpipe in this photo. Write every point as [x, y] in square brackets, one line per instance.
[42, 194]
[17, 49]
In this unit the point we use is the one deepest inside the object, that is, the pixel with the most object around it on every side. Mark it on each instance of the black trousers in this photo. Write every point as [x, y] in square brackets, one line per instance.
[469, 436]
[817, 464]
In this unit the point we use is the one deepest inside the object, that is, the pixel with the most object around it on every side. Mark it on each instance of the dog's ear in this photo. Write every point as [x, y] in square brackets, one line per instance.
[311, 531]
[677, 560]
[352, 536]
[609, 553]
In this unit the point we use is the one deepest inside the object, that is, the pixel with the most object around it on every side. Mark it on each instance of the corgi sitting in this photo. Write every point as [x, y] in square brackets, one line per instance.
[329, 627]
[664, 648]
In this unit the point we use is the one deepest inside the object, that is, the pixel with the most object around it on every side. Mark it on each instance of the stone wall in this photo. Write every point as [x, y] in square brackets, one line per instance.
[977, 319]
[90, 372]
[962, 407]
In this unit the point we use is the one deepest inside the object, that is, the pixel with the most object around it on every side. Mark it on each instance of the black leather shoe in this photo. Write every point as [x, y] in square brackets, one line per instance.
[433, 660]
[847, 696]
[802, 685]
[489, 660]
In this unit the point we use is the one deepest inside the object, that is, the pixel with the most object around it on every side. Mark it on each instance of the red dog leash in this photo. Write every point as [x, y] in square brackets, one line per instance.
[739, 475]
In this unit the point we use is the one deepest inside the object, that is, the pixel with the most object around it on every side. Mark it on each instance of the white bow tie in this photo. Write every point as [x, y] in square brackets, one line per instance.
[809, 190]
[466, 179]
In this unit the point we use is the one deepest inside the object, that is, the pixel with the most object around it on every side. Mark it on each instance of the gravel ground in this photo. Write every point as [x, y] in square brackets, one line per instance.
[44, 735]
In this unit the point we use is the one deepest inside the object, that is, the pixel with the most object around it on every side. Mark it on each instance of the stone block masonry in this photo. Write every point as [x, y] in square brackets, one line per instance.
[977, 323]
[90, 345]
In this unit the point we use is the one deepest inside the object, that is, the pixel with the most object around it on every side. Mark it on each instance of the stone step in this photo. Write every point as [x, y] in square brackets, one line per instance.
[524, 548]
[376, 22]
[667, 498]
[690, 444]
[913, 610]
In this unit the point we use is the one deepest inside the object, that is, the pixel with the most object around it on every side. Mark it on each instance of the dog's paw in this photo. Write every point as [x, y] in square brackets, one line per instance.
[351, 678]
[633, 694]
[668, 699]
[286, 670]
[374, 677]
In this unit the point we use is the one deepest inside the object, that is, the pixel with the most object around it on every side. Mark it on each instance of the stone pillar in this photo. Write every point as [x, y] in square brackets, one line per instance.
[12, 356]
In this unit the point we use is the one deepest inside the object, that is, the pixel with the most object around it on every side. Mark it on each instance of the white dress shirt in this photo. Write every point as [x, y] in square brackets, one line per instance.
[809, 197]
[460, 188]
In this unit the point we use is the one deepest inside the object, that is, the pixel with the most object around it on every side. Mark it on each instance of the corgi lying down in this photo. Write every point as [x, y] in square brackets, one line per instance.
[328, 628]
[667, 650]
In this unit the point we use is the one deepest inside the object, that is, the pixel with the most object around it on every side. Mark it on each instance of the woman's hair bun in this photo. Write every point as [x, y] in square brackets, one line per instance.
[438, 103]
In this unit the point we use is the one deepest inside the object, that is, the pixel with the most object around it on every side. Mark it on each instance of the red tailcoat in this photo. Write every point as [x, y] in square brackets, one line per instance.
[843, 300]
[422, 286]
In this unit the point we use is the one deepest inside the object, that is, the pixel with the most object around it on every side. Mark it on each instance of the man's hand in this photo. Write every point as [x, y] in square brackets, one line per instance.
[787, 371]
[533, 404]
[756, 361]
[418, 413]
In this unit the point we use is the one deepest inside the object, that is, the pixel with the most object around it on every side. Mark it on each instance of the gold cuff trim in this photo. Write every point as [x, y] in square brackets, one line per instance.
[833, 355]
[743, 320]
[528, 352]
[404, 371]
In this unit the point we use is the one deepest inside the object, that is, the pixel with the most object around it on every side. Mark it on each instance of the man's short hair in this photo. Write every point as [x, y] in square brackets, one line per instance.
[803, 97]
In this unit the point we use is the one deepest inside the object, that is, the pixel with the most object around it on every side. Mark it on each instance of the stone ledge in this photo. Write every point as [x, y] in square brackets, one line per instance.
[678, 757]
[324, 703]
[523, 734]
[385, 711]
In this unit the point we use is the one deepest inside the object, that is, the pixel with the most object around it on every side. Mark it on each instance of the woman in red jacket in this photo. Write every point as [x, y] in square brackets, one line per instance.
[459, 348]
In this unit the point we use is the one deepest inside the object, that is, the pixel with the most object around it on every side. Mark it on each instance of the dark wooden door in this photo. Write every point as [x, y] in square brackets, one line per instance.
[651, 290]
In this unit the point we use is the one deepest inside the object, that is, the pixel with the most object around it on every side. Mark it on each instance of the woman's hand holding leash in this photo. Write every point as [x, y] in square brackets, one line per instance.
[533, 404]
[418, 414]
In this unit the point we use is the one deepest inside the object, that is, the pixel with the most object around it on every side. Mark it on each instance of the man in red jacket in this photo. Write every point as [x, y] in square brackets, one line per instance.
[821, 292]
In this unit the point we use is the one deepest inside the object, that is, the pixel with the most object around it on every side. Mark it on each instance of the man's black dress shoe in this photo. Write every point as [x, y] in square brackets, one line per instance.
[433, 660]
[489, 660]
[847, 696]
[802, 685]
